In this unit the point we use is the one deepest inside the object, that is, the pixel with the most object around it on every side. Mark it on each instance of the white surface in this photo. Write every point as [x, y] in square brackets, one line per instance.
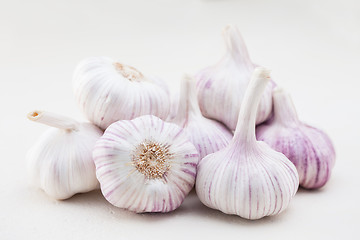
[312, 48]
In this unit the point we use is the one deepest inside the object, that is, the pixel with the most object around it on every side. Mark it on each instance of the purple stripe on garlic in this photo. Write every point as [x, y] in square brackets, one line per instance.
[221, 87]
[247, 178]
[108, 91]
[207, 135]
[145, 164]
[310, 149]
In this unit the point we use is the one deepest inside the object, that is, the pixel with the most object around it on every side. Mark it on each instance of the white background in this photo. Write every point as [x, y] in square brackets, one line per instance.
[312, 47]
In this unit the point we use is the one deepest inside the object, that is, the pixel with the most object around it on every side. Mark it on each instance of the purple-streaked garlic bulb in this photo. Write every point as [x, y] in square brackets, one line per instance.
[310, 149]
[208, 136]
[145, 164]
[61, 163]
[108, 91]
[221, 88]
[247, 178]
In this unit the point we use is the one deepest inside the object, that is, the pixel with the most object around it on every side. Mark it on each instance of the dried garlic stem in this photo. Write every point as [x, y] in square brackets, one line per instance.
[53, 120]
[245, 129]
[188, 100]
[284, 109]
[235, 45]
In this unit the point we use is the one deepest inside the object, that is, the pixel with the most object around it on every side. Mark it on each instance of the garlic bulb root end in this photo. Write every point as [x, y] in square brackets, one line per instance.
[128, 72]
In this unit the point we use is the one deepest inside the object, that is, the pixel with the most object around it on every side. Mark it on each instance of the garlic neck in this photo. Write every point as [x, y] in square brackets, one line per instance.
[188, 104]
[131, 73]
[245, 128]
[54, 120]
[284, 109]
[236, 47]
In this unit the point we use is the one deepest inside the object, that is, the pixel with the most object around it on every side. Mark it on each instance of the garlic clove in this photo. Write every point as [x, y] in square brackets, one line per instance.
[247, 178]
[310, 149]
[208, 136]
[221, 87]
[60, 162]
[145, 164]
[108, 91]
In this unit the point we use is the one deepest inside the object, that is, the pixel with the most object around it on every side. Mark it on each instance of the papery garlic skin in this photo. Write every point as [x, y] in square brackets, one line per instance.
[207, 135]
[145, 164]
[221, 87]
[174, 105]
[60, 162]
[310, 149]
[108, 91]
[247, 178]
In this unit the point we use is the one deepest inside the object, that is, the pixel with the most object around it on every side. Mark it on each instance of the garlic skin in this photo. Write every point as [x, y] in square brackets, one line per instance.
[310, 149]
[208, 136]
[174, 105]
[108, 91]
[145, 164]
[60, 162]
[247, 178]
[221, 88]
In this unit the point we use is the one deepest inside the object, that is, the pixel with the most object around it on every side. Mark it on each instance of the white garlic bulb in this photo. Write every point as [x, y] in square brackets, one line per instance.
[310, 149]
[221, 88]
[61, 161]
[208, 136]
[108, 91]
[247, 178]
[145, 164]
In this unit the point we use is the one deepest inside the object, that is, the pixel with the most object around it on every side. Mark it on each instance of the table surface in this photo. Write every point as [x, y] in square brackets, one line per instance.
[312, 48]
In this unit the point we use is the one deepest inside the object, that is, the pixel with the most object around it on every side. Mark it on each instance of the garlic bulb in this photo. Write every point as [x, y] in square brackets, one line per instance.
[310, 149]
[221, 88]
[145, 164]
[108, 91]
[61, 161]
[247, 178]
[208, 136]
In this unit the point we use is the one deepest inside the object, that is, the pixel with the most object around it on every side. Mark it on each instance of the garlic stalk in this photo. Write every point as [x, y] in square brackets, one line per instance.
[208, 136]
[310, 149]
[61, 162]
[145, 164]
[174, 105]
[221, 87]
[108, 91]
[247, 178]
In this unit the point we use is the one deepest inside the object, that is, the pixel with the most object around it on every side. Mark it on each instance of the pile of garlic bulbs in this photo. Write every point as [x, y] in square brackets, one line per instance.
[232, 131]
